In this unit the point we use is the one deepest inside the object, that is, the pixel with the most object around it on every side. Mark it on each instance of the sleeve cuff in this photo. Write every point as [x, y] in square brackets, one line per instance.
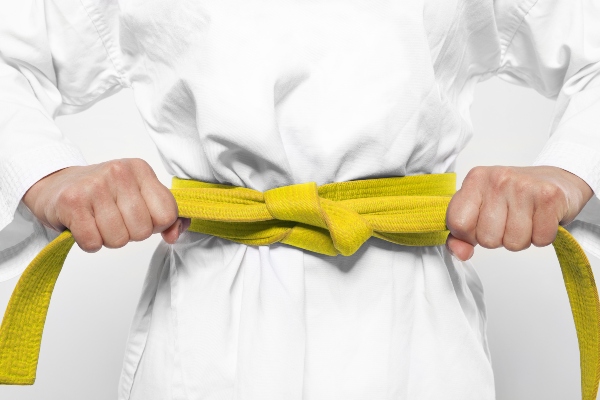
[585, 163]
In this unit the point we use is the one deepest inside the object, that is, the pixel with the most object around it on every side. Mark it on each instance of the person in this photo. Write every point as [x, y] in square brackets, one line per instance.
[267, 94]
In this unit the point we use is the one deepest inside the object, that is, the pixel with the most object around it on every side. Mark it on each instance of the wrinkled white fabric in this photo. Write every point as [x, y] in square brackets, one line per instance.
[268, 93]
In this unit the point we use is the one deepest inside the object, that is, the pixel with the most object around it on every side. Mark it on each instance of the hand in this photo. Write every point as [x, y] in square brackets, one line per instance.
[512, 207]
[108, 204]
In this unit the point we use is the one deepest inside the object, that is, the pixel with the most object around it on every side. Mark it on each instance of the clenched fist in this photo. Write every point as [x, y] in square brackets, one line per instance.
[513, 207]
[107, 204]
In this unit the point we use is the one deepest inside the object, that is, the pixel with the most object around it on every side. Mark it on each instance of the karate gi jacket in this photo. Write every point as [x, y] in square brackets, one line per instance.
[269, 93]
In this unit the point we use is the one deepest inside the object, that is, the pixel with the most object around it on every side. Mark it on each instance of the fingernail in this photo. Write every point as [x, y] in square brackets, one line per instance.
[450, 251]
[180, 227]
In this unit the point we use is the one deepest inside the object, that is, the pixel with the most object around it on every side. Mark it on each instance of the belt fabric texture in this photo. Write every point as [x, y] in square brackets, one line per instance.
[331, 219]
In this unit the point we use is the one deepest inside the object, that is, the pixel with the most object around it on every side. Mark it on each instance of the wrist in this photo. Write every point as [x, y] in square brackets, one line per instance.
[33, 197]
[577, 191]
[583, 188]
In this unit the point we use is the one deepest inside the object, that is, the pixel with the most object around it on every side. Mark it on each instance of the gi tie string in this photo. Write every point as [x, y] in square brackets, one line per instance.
[332, 219]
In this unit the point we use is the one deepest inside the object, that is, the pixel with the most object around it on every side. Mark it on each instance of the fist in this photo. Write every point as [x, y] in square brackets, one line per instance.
[107, 204]
[512, 207]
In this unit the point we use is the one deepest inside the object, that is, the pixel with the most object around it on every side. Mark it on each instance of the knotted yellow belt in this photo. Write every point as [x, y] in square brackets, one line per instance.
[331, 219]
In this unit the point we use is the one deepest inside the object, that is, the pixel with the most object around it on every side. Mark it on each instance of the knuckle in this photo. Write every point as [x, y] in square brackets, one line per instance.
[166, 217]
[454, 219]
[118, 169]
[72, 197]
[540, 241]
[141, 166]
[549, 193]
[139, 163]
[142, 233]
[515, 245]
[91, 247]
[90, 244]
[489, 242]
[117, 241]
[93, 186]
[522, 186]
[502, 178]
[475, 176]
[458, 225]
[543, 237]
[477, 172]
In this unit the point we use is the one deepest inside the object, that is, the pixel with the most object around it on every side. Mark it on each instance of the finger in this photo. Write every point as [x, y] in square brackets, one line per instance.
[171, 234]
[110, 221]
[461, 250]
[492, 221]
[84, 230]
[134, 211]
[160, 201]
[162, 207]
[545, 223]
[462, 214]
[519, 223]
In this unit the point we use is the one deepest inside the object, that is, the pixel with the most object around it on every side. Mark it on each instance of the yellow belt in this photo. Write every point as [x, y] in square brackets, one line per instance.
[332, 219]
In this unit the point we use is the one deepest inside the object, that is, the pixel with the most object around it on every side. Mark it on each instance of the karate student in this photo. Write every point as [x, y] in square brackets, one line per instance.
[263, 94]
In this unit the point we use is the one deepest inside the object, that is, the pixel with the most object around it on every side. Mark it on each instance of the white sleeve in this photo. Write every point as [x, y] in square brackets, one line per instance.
[553, 46]
[55, 58]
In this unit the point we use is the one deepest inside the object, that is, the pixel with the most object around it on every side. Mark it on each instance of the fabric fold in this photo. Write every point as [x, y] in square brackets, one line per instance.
[271, 346]
[586, 227]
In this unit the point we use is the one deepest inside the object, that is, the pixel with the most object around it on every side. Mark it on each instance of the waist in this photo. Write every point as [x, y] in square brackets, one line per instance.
[335, 218]
[332, 219]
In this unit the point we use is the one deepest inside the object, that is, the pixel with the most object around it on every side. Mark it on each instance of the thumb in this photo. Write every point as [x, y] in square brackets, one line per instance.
[461, 250]
[172, 233]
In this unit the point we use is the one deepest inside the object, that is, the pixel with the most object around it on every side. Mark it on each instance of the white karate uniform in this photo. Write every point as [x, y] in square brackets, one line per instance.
[265, 93]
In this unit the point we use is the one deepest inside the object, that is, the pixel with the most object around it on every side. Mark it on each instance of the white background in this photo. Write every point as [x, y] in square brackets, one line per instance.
[530, 328]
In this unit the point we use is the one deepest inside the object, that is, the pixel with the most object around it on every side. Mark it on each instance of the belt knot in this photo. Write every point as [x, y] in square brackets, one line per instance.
[301, 203]
[332, 219]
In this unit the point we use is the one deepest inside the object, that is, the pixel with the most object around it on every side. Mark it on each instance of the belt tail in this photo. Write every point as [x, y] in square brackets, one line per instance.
[583, 296]
[23, 323]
